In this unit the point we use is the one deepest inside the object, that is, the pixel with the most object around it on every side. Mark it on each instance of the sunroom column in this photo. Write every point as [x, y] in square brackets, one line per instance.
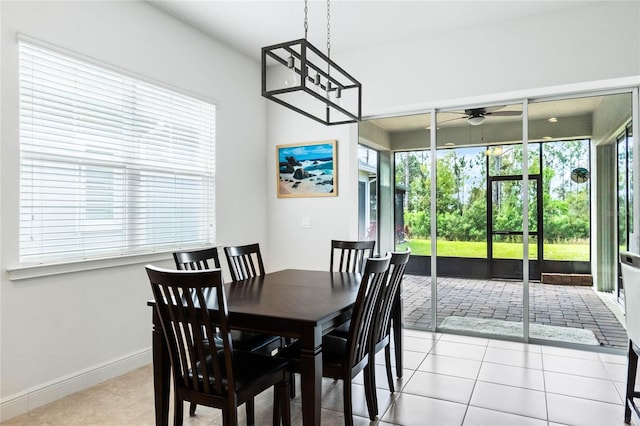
[604, 217]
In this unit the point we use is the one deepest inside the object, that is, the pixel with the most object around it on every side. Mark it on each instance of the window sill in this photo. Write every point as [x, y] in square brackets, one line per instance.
[36, 271]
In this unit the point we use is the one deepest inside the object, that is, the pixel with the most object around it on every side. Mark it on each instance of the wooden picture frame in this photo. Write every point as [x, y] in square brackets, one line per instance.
[307, 169]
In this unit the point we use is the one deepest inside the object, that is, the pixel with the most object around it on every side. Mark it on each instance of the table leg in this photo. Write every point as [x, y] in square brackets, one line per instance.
[397, 331]
[161, 372]
[311, 376]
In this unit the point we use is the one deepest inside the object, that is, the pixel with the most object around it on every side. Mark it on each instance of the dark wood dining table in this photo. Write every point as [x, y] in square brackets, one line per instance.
[301, 304]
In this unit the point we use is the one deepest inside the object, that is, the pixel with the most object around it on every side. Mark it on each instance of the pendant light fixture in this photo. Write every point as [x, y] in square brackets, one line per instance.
[299, 76]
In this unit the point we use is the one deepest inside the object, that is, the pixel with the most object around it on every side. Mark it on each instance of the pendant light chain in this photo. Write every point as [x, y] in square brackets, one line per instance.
[328, 30]
[328, 50]
[313, 78]
[306, 20]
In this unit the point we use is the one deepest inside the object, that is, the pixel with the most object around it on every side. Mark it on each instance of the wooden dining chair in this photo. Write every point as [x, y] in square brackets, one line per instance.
[349, 256]
[381, 331]
[197, 260]
[192, 309]
[244, 261]
[242, 340]
[345, 358]
[630, 268]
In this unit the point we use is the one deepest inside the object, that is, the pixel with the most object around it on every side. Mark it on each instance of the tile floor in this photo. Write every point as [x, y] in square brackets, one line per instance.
[448, 380]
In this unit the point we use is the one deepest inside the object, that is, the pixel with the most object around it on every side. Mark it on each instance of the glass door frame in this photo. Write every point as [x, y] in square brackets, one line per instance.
[535, 265]
[431, 145]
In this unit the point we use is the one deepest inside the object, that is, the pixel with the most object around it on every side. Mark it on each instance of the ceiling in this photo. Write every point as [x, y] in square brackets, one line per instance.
[456, 118]
[247, 26]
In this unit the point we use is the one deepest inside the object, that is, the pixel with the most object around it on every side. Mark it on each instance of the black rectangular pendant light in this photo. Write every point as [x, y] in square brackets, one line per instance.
[300, 77]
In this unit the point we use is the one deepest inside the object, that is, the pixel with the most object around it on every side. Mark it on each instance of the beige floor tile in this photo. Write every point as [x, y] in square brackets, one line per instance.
[410, 410]
[571, 353]
[410, 360]
[577, 366]
[523, 402]
[515, 358]
[477, 416]
[581, 387]
[408, 332]
[381, 378]
[509, 375]
[451, 366]
[418, 344]
[439, 386]
[459, 350]
[583, 412]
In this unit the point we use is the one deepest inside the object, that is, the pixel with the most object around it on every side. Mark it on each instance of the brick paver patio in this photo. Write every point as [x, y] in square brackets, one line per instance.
[556, 305]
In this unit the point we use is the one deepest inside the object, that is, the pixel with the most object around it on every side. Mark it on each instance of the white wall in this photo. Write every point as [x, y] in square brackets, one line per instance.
[331, 217]
[61, 333]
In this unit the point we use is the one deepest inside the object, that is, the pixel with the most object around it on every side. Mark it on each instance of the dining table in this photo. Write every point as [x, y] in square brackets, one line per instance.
[300, 304]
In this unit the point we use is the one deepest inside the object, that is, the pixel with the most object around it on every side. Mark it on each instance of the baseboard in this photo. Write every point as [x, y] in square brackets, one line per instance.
[37, 396]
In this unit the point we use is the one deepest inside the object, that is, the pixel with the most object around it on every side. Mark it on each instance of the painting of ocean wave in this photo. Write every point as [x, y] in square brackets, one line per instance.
[307, 170]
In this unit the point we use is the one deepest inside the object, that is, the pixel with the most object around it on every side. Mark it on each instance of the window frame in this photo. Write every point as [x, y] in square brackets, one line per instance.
[127, 256]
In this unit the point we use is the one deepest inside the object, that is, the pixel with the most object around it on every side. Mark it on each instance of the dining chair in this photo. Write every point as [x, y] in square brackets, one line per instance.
[244, 261]
[242, 340]
[381, 331]
[345, 358]
[630, 268]
[381, 334]
[349, 256]
[192, 309]
[198, 260]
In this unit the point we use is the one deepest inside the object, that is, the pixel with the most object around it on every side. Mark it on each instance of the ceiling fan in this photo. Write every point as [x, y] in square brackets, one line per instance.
[476, 116]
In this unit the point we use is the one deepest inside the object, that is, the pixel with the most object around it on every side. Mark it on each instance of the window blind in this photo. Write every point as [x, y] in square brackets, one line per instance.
[109, 165]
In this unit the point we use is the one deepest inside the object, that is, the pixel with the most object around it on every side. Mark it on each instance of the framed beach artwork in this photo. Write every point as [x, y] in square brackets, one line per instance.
[307, 169]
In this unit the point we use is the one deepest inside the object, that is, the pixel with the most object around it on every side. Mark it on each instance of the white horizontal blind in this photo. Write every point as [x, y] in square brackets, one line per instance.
[109, 165]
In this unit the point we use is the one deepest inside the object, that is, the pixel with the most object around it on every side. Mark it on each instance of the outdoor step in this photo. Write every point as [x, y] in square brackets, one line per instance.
[567, 279]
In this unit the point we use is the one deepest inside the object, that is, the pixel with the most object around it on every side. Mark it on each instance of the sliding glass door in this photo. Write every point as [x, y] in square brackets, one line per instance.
[508, 216]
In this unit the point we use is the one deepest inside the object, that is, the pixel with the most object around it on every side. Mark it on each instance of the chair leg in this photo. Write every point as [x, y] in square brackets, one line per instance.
[251, 416]
[348, 403]
[292, 388]
[192, 409]
[230, 416]
[370, 391]
[276, 405]
[387, 361]
[281, 404]
[177, 412]
[285, 411]
[631, 381]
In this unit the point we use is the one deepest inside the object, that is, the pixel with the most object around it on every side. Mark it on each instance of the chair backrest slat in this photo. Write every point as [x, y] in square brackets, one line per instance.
[350, 256]
[244, 261]
[193, 324]
[373, 279]
[197, 259]
[389, 294]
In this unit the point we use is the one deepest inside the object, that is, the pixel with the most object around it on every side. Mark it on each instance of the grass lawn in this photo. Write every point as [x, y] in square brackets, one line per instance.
[500, 250]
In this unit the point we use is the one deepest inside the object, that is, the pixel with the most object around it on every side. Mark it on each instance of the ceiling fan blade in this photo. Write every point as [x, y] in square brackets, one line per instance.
[505, 113]
[451, 119]
[493, 108]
